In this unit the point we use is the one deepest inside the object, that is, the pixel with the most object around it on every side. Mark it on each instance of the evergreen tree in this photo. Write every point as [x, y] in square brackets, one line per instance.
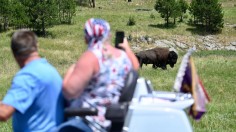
[37, 15]
[208, 13]
[197, 8]
[213, 16]
[46, 11]
[165, 8]
[19, 18]
[183, 7]
[176, 11]
[30, 13]
[41, 13]
[67, 10]
[5, 13]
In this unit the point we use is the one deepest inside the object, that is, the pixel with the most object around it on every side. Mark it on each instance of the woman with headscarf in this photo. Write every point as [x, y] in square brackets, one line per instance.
[98, 76]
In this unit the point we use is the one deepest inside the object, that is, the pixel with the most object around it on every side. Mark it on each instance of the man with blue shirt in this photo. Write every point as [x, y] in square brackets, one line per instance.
[34, 98]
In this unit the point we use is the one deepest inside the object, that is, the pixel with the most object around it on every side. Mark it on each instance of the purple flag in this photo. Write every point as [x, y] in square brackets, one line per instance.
[188, 81]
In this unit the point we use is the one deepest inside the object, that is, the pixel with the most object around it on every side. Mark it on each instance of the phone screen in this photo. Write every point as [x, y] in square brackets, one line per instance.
[119, 38]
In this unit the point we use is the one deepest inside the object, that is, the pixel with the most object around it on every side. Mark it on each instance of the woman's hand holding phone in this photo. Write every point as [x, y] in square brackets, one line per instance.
[119, 39]
[125, 45]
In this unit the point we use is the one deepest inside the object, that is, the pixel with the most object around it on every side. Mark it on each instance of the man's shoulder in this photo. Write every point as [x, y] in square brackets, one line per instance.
[37, 65]
[38, 70]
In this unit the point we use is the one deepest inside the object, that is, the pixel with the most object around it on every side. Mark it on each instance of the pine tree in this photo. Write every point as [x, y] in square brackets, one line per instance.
[5, 13]
[197, 8]
[67, 10]
[183, 7]
[213, 16]
[166, 9]
[19, 18]
[41, 13]
[208, 13]
[176, 11]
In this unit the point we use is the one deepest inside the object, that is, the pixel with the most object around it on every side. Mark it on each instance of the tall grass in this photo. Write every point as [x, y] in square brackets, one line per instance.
[64, 44]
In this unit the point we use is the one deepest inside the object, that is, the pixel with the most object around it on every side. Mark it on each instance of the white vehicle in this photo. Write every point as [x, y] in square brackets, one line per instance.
[157, 111]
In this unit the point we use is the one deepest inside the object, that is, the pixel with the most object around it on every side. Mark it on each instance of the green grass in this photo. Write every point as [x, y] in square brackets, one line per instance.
[65, 43]
[217, 71]
[229, 14]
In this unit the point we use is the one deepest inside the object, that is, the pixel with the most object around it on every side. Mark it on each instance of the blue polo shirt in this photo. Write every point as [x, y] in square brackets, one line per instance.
[36, 95]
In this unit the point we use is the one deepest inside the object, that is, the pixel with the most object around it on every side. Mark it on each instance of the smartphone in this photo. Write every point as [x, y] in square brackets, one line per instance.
[119, 38]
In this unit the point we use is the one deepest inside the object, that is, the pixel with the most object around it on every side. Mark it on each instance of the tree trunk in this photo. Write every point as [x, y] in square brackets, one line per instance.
[5, 24]
[43, 27]
[93, 1]
[181, 18]
[167, 21]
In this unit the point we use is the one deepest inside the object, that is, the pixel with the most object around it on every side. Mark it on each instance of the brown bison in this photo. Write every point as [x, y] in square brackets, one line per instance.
[158, 57]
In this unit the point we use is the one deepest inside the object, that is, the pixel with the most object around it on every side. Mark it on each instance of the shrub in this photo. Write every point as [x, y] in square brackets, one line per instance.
[152, 16]
[185, 16]
[131, 21]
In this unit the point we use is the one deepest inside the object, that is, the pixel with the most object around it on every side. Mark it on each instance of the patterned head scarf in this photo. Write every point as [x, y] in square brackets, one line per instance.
[96, 31]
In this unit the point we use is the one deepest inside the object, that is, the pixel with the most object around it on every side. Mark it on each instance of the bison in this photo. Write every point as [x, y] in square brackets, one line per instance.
[158, 57]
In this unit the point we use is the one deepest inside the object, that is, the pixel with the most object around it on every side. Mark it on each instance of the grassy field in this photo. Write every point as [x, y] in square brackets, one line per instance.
[65, 43]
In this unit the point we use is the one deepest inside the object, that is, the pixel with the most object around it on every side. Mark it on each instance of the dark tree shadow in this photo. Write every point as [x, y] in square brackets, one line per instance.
[163, 26]
[197, 30]
[38, 33]
[2, 31]
[84, 3]
[46, 35]
[143, 9]
[200, 29]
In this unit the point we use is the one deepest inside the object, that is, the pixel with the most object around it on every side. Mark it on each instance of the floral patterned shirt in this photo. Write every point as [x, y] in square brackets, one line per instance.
[105, 87]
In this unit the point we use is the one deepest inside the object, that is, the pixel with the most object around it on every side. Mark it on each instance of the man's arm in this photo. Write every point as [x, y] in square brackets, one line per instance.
[6, 111]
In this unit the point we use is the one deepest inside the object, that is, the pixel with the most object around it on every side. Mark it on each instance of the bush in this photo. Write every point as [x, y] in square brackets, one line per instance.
[152, 16]
[211, 15]
[131, 21]
[185, 16]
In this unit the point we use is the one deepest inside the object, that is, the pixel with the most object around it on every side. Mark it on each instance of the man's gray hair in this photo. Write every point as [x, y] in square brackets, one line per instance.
[23, 42]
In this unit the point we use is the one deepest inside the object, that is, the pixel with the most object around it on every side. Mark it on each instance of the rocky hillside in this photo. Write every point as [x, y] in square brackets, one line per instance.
[182, 43]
